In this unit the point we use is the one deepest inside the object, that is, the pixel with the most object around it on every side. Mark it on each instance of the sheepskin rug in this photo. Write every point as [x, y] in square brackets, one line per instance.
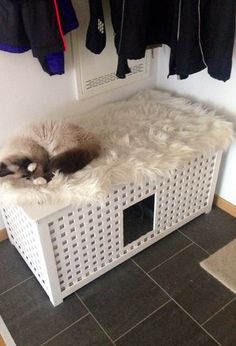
[146, 136]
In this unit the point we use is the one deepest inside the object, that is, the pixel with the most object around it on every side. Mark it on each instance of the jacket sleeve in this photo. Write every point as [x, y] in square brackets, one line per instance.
[217, 27]
[96, 33]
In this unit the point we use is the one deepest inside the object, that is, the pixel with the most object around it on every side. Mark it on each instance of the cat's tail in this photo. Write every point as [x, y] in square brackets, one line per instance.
[73, 160]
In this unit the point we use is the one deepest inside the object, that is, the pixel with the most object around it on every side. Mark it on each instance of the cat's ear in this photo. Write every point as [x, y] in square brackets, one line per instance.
[4, 170]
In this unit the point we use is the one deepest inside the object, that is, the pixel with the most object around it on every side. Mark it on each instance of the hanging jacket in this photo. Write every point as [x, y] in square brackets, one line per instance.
[137, 25]
[205, 38]
[200, 33]
[40, 26]
[142, 24]
[96, 33]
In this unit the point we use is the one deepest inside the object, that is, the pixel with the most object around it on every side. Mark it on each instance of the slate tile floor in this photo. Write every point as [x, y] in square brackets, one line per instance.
[159, 297]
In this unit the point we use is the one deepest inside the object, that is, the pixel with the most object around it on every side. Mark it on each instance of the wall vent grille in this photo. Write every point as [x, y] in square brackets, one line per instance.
[111, 77]
[96, 73]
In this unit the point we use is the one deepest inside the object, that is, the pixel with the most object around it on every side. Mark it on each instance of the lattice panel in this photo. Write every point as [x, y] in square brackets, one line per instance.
[184, 193]
[22, 233]
[89, 238]
[85, 240]
[130, 194]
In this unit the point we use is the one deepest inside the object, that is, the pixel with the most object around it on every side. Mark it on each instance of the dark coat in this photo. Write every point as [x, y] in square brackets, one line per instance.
[206, 38]
[200, 33]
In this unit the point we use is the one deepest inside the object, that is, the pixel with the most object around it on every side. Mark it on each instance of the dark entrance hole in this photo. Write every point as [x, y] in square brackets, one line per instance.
[138, 219]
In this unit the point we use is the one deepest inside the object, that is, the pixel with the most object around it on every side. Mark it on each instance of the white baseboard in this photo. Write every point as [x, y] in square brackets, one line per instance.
[225, 205]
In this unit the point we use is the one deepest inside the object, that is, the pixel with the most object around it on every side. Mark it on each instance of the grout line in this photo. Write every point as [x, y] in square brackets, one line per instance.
[169, 258]
[194, 242]
[99, 324]
[144, 319]
[216, 313]
[20, 283]
[187, 313]
[63, 330]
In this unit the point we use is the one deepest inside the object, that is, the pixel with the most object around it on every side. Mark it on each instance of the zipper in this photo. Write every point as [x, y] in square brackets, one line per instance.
[179, 20]
[199, 32]
[122, 25]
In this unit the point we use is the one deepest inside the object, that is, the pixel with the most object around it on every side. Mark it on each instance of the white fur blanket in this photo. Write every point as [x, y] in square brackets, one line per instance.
[150, 134]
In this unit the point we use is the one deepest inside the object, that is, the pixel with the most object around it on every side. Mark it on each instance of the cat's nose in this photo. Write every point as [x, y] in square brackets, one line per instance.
[27, 175]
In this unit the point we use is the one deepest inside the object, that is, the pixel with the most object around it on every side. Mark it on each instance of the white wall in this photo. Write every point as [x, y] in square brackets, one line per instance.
[27, 93]
[215, 93]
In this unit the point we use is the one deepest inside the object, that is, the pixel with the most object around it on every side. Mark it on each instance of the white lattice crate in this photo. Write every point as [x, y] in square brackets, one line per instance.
[69, 246]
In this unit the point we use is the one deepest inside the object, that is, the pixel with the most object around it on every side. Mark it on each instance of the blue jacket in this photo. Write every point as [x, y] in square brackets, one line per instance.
[39, 26]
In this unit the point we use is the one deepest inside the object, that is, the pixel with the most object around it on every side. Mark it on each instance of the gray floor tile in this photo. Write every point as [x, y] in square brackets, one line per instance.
[13, 268]
[161, 251]
[125, 296]
[223, 325]
[83, 333]
[30, 316]
[121, 298]
[169, 326]
[211, 231]
[190, 285]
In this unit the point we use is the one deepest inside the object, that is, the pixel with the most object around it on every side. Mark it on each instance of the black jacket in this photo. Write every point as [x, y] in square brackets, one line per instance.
[206, 38]
[200, 33]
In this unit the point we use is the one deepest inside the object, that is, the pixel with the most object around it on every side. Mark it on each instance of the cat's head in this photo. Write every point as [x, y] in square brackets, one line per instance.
[15, 166]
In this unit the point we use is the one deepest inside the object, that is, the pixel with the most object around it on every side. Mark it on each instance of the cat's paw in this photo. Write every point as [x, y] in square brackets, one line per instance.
[32, 167]
[39, 181]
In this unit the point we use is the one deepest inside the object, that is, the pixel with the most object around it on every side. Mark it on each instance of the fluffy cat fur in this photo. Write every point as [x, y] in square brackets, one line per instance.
[51, 146]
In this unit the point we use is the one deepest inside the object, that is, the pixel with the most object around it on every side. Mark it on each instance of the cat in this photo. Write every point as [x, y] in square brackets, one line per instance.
[46, 147]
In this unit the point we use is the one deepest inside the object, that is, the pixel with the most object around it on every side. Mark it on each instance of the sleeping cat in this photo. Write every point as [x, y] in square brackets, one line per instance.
[46, 147]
